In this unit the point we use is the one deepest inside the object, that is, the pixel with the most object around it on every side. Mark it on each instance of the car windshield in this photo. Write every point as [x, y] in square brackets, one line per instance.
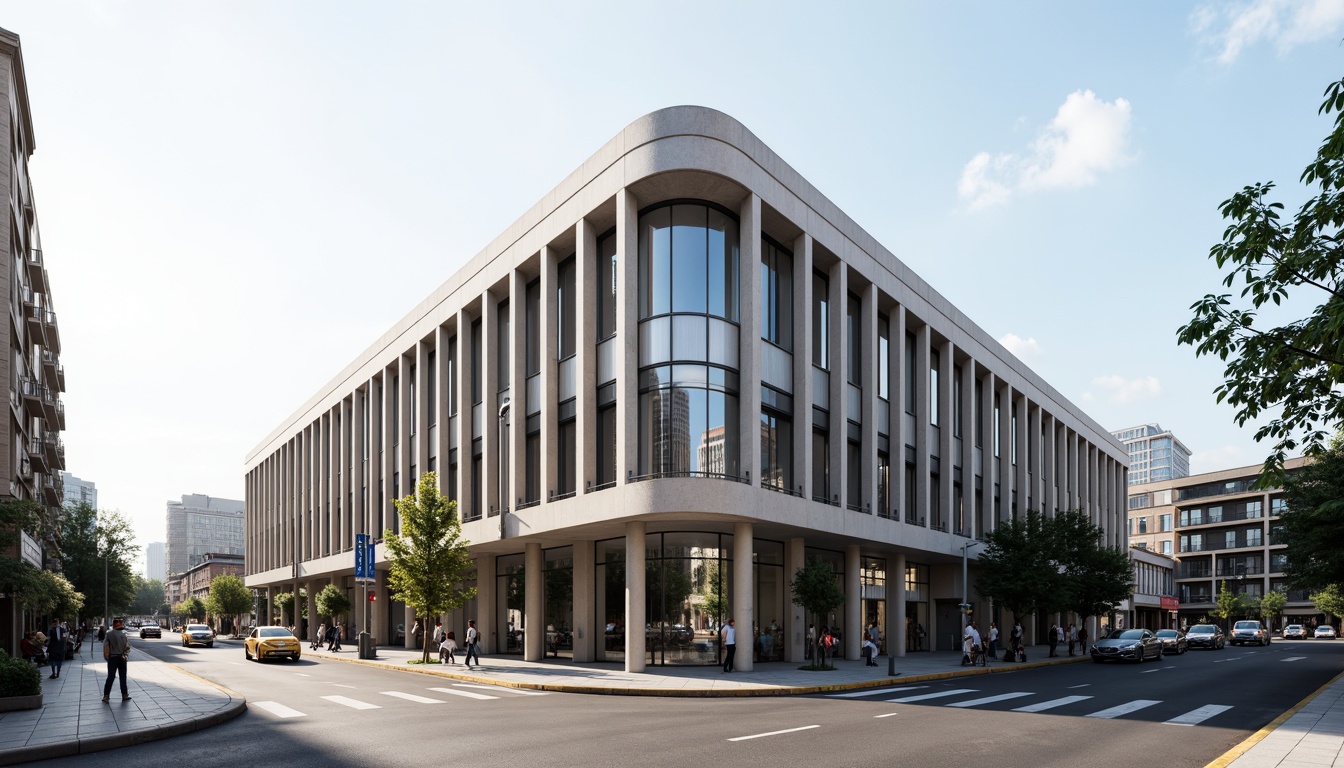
[1166, 633]
[1126, 634]
[1294, 627]
[1202, 629]
[1248, 625]
[272, 632]
[197, 628]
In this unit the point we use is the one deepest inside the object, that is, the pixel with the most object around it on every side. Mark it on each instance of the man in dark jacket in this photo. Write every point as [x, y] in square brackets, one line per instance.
[56, 647]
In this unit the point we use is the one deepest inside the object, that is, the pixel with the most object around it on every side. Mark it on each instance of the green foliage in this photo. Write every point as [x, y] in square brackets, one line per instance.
[430, 562]
[817, 591]
[1228, 604]
[19, 515]
[332, 602]
[1313, 525]
[716, 603]
[189, 609]
[149, 596]
[18, 677]
[228, 596]
[1096, 577]
[1295, 369]
[39, 591]
[284, 602]
[86, 536]
[1329, 600]
[1271, 605]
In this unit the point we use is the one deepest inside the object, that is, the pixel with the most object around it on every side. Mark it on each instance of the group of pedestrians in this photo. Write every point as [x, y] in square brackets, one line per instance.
[977, 648]
[332, 636]
[1075, 638]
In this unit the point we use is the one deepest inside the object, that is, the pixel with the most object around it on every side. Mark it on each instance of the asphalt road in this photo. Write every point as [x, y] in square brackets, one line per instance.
[337, 714]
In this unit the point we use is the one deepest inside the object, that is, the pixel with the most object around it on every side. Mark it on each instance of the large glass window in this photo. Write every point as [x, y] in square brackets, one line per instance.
[776, 294]
[606, 445]
[910, 393]
[853, 340]
[776, 449]
[533, 321]
[502, 341]
[566, 312]
[883, 361]
[688, 261]
[476, 361]
[821, 321]
[606, 286]
[935, 395]
[821, 466]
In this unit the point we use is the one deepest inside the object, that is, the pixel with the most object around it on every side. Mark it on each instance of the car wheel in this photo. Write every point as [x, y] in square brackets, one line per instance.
[294, 658]
[246, 653]
[1182, 651]
[1139, 656]
[209, 645]
[1161, 652]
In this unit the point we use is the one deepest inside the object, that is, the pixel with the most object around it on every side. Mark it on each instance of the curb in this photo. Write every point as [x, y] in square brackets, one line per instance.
[697, 693]
[1255, 738]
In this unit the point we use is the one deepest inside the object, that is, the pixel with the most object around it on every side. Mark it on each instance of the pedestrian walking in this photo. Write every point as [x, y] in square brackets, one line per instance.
[1082, 639]
[970, 645]
[473, 639]
[729, 645]
[1073, 638]
[875, 634]
[811, 641]
[448, 649]
[319, 637]
[869, 652]
[331, 637]
[56, 648]
[337, 643]
[116, 650]
[992, 641]
[1053, 638]
[919, 636]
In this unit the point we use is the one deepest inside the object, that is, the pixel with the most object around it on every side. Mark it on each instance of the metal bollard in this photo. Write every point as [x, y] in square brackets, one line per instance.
[891, 665]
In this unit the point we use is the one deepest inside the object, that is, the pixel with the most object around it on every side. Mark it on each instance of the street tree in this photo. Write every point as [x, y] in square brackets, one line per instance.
[1329, 600]
[430, 561]
[1294, 371]
[228, 597]
[1097, 577]
[817, 591]
[1313, 524]
[192, 608]
[1227, 605]
[1019, 570]
[284, 603]
[1271, 607]
[97, 548]
[332, 602]
[149, 596]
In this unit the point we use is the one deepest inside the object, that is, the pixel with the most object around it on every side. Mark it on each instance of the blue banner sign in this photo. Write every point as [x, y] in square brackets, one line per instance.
[363, 548]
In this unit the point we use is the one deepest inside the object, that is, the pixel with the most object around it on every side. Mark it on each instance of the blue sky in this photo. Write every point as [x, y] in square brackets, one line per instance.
[237, 198]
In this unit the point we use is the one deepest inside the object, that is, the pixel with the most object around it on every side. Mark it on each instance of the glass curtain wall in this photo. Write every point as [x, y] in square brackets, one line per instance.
[559, 585]
[511, 603]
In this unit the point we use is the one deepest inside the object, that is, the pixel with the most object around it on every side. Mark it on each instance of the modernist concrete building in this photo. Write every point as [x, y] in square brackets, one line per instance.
[199, 525]
[668, 383]
[156, 562]
[31, 452]
[1154, 454]
[77, 491]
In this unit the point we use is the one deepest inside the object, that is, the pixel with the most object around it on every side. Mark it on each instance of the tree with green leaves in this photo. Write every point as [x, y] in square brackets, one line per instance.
[149, 596]
[191, 608]
[1313, 525]
[817, 591]
[284, 603]
[1271, 606]
[332, 602]
[1019, 569]
[715, 604]
[430, 562]
[1227, 604]
[1330, 601]
[229, 597]
[1293, 371]
[1096, 577]
[92, 540]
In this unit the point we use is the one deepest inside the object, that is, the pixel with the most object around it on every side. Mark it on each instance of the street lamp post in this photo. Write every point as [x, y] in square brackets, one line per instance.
[965, 587]
[503, 452]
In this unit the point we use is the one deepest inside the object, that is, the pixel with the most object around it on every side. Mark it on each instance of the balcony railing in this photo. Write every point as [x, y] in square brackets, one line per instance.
[1232, 571]
[52, 331]
[1185, 572]
[37, 272]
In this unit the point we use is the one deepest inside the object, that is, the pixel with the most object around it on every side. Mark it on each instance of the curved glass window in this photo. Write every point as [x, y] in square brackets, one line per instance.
[688, 261]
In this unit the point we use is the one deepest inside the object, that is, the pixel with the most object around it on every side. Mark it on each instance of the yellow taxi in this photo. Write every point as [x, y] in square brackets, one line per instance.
[270, 643]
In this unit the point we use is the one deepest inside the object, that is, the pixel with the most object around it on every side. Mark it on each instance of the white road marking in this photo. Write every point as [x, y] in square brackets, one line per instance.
[1125, 709]
[889, 714]
[412, 697]
[467, 694]
[277, 709]
[352, 703]
[775, 733]
[1197, 716]
[518, 691]
[938, 695]
[300, 674]
[1158, 669]
[1084, 685]
[342, 685]
[1044, 705]
[1293, 658]
[990, 699]
[879, 691]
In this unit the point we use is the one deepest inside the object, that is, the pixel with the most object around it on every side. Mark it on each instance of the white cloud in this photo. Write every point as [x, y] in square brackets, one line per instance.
[1087, 136]
[1121, 391]
[1232, 28]
[1025, 349]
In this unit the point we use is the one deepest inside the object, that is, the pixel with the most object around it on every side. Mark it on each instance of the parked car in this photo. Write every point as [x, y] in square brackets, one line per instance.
[198, 634]
[1249, 631]
[1325, 632]
[1173, 641]
[1294, 632]
[1205, 636]
[1129, 644]
[150, 630]
[271, 643]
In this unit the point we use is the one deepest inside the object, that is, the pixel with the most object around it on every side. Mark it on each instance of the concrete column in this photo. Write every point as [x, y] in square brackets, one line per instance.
[802, 365]
[900, 435]
[548, 327]
[795, 618]
[465, 503]
[839, 298]
[1005, 453]
[967, 511]
[1023, 453]
[868, 441]
[534, 604]
[1048, 466]
[312, 587]
[749, 339]
[744, 607]
[423, 397]
[486, 596]
[635, 639]
[490, 424]
[408, 619]
[516, 448]
[586, 628]
[923, 494]
[1035, 465]
[585, 334]
[358, 461]
[627, 351]
[405, 442]
[442, 408]
[946, 461]
[853, 602]
[896, 632]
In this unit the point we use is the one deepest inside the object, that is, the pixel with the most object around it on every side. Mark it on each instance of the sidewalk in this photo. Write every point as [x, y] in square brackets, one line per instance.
[1310, 734]
[165, 701]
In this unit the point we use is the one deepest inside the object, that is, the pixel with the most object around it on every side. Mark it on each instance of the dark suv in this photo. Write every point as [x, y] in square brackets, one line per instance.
[1249, 631]
[1205, 636]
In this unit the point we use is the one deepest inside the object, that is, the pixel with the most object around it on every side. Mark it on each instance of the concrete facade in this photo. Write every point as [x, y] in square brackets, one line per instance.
[591, 508]
[199, 525]
[156, 563]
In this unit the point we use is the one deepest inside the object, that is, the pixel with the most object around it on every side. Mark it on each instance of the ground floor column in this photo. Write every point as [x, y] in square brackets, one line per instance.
[378, 611]
[485, 605]
[269, 608]
[534, 605]
[897, 633]
[408, 621]
[744, 592]
[853, 602]
[635, 637]
[304, 628]
[795, 618]
[585, 627]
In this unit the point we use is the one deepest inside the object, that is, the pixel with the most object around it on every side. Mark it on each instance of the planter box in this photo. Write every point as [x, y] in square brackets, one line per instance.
[16, 703]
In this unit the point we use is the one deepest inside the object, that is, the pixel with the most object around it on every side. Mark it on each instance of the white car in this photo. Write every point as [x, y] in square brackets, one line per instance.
[1325, 632]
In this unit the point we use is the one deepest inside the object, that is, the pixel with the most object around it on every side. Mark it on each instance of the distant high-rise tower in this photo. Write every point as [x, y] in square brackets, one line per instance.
[200, 524]
[77, 490]
[1154, 454]
[156, 566]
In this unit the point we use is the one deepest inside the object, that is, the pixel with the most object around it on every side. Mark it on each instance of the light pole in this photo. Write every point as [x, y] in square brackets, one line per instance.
[965, 602]
[503, 452]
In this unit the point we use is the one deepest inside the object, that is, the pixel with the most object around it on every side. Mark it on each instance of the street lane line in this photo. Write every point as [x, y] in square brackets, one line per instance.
[1125, 709]
[878, 692]
[467, 694]
[518, 691]
[1158, 669]
[1197, 716]
[352, 703]
[342, 685]
[990, 699]
[1044, 705]
[889, 714]
[412, 697]
[939, 695]
[775, 733]
[1293, 658]
[277, 709]
[300, 674]
[1084, 685]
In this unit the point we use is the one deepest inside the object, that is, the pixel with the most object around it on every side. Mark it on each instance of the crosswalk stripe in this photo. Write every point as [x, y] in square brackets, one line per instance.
[412, 697]
[990, 699]
[1293, 658]
[1197, 716]
[518, 691]
[351, 703]
[1125, 709]
[938, 695]
[467, 694]
[1044, 705]
[277, 709]
[878, 692]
